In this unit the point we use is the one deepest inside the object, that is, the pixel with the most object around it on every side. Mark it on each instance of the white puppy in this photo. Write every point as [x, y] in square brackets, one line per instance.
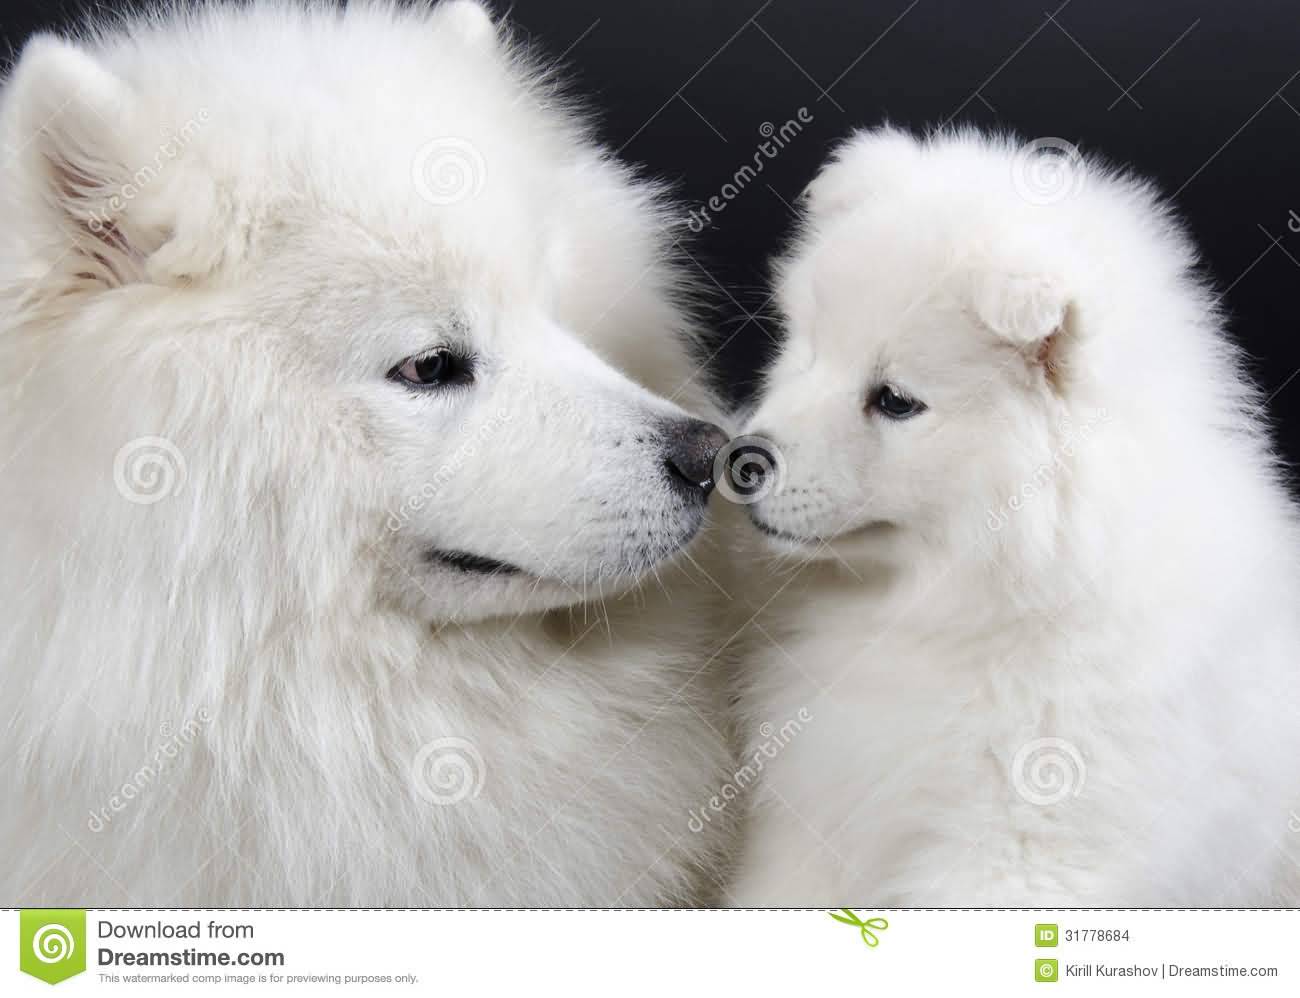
[1040, 622]
[328, 349]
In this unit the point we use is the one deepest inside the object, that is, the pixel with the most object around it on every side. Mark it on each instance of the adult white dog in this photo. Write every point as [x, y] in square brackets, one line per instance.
[328, 349]
[1041, 617]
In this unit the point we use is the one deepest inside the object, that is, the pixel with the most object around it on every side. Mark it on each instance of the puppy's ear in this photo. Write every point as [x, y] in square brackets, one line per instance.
[68, 120]
[867, 164]
[1031, 311]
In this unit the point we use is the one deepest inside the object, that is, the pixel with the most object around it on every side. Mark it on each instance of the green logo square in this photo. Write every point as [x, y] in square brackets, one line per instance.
[1046, 934]
[52, 943]
[1044, 970]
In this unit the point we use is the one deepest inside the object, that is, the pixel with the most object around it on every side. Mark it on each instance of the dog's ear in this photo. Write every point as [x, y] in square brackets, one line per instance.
[69, 120]
[1031, 311]
[91, 188]
[867, 164]
[469, 19]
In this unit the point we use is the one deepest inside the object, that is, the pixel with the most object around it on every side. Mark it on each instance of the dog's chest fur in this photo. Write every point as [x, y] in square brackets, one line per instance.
[536, 768]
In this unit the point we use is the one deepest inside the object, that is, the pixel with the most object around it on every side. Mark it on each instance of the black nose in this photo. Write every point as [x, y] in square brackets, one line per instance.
[689, 449]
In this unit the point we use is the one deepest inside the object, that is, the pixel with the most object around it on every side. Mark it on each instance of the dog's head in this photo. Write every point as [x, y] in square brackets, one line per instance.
[354, 293]
[941, 364]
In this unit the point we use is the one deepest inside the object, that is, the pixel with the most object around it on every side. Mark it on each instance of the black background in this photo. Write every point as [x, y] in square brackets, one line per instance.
[1203, 96]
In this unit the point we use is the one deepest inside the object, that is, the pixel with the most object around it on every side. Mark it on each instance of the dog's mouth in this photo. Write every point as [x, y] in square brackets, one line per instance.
[473, 564]
[626, 563]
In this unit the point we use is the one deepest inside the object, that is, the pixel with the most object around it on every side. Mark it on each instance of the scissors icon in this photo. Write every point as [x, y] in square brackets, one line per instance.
[868, 936]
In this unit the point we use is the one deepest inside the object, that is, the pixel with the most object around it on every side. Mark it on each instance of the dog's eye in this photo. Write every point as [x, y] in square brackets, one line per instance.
[433, 370]
[891, 402]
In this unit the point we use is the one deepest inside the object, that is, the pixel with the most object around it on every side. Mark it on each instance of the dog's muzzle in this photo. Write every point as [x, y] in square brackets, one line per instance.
[690, 446]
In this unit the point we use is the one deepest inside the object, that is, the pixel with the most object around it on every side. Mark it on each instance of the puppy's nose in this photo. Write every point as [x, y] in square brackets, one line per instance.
[689, 449]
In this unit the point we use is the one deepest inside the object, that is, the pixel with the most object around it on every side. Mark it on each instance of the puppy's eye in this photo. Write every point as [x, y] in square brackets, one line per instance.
[433, 370]
[891, 402]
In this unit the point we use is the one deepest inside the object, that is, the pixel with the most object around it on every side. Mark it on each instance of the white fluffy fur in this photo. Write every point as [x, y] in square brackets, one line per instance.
[1084, 538]
[213, 236]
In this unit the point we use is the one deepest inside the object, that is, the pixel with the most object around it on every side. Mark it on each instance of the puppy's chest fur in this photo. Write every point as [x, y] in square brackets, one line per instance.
[948, 759]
